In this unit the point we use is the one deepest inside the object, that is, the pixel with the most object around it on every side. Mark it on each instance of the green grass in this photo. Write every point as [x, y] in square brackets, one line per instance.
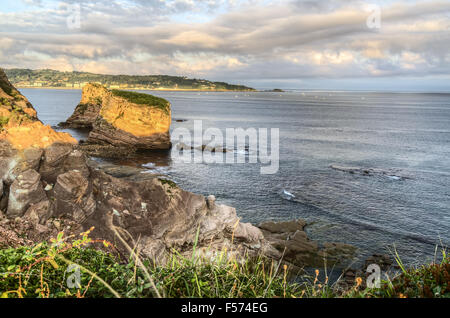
[42, 271]
[143, 99]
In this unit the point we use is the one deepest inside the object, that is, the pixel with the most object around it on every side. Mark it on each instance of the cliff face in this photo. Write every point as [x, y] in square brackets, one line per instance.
[19, 124]
[132, 119]
[119, 119]
[89, 107]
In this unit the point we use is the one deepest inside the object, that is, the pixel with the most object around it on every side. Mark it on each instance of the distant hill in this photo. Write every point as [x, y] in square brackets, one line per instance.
[56, 79]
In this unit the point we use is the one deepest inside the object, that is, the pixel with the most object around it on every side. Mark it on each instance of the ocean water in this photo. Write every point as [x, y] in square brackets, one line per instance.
[398, 144]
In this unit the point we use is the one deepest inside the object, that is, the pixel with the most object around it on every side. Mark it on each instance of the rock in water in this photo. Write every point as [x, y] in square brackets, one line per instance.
[122, 122]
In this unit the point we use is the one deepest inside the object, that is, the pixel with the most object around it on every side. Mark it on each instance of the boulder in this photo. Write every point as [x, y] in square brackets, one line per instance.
[283, 227]
[60, 158]
[15, 162]
[38, 213]
[73, 196]
[26, 190]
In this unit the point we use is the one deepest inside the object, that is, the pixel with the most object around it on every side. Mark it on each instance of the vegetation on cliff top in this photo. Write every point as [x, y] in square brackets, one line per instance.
[51, 78]
[44, 271]
[143, 99]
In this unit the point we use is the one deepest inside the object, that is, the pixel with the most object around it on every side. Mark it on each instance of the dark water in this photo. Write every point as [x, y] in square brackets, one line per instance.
[404, 136]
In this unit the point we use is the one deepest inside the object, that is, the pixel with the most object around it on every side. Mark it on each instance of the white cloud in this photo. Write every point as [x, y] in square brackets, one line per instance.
[231, 39]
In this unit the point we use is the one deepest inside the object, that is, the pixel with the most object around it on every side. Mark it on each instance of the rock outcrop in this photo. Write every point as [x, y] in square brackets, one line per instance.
[88, 109]
[19, 124]
[122, 122]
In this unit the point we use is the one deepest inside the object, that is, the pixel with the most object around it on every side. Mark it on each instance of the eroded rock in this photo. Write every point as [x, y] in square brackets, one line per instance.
[26, 190]
[73, 196]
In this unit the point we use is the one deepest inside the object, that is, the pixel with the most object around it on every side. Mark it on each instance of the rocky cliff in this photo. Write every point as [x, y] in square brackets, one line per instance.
[122, 122]
[19, 124]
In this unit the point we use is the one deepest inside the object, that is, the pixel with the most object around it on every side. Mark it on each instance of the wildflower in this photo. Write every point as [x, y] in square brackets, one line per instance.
[317, 275]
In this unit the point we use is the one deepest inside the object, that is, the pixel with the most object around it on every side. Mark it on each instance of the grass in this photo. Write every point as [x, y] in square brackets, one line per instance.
[426, 281]
[171, 184]
[6, 88]
[143, 99]
[3, 121]
[43, 271]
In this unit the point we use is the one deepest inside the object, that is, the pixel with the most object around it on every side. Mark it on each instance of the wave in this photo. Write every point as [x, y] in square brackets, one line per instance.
[287, 195]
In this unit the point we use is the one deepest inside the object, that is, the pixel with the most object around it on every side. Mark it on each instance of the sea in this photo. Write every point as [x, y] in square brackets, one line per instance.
[371, 169]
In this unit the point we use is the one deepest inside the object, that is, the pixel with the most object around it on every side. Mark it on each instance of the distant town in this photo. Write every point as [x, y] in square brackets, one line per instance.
[27, 78]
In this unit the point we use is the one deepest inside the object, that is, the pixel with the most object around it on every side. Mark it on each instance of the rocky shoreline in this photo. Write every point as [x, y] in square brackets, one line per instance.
[53, 186]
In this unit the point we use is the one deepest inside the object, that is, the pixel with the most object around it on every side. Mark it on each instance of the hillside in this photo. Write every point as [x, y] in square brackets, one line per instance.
[57, 79]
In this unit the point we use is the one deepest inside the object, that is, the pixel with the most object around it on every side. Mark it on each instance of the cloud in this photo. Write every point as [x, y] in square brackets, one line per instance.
[237, 40]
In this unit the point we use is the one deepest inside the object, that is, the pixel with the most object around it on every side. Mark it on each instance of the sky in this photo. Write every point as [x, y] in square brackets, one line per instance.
[296, 44]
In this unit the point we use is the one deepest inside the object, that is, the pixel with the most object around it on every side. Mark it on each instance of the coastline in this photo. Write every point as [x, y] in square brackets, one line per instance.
[145, 89]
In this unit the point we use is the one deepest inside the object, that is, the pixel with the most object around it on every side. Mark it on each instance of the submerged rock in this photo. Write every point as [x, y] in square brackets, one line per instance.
[290, 239]
[182, 146]
[393, 174]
